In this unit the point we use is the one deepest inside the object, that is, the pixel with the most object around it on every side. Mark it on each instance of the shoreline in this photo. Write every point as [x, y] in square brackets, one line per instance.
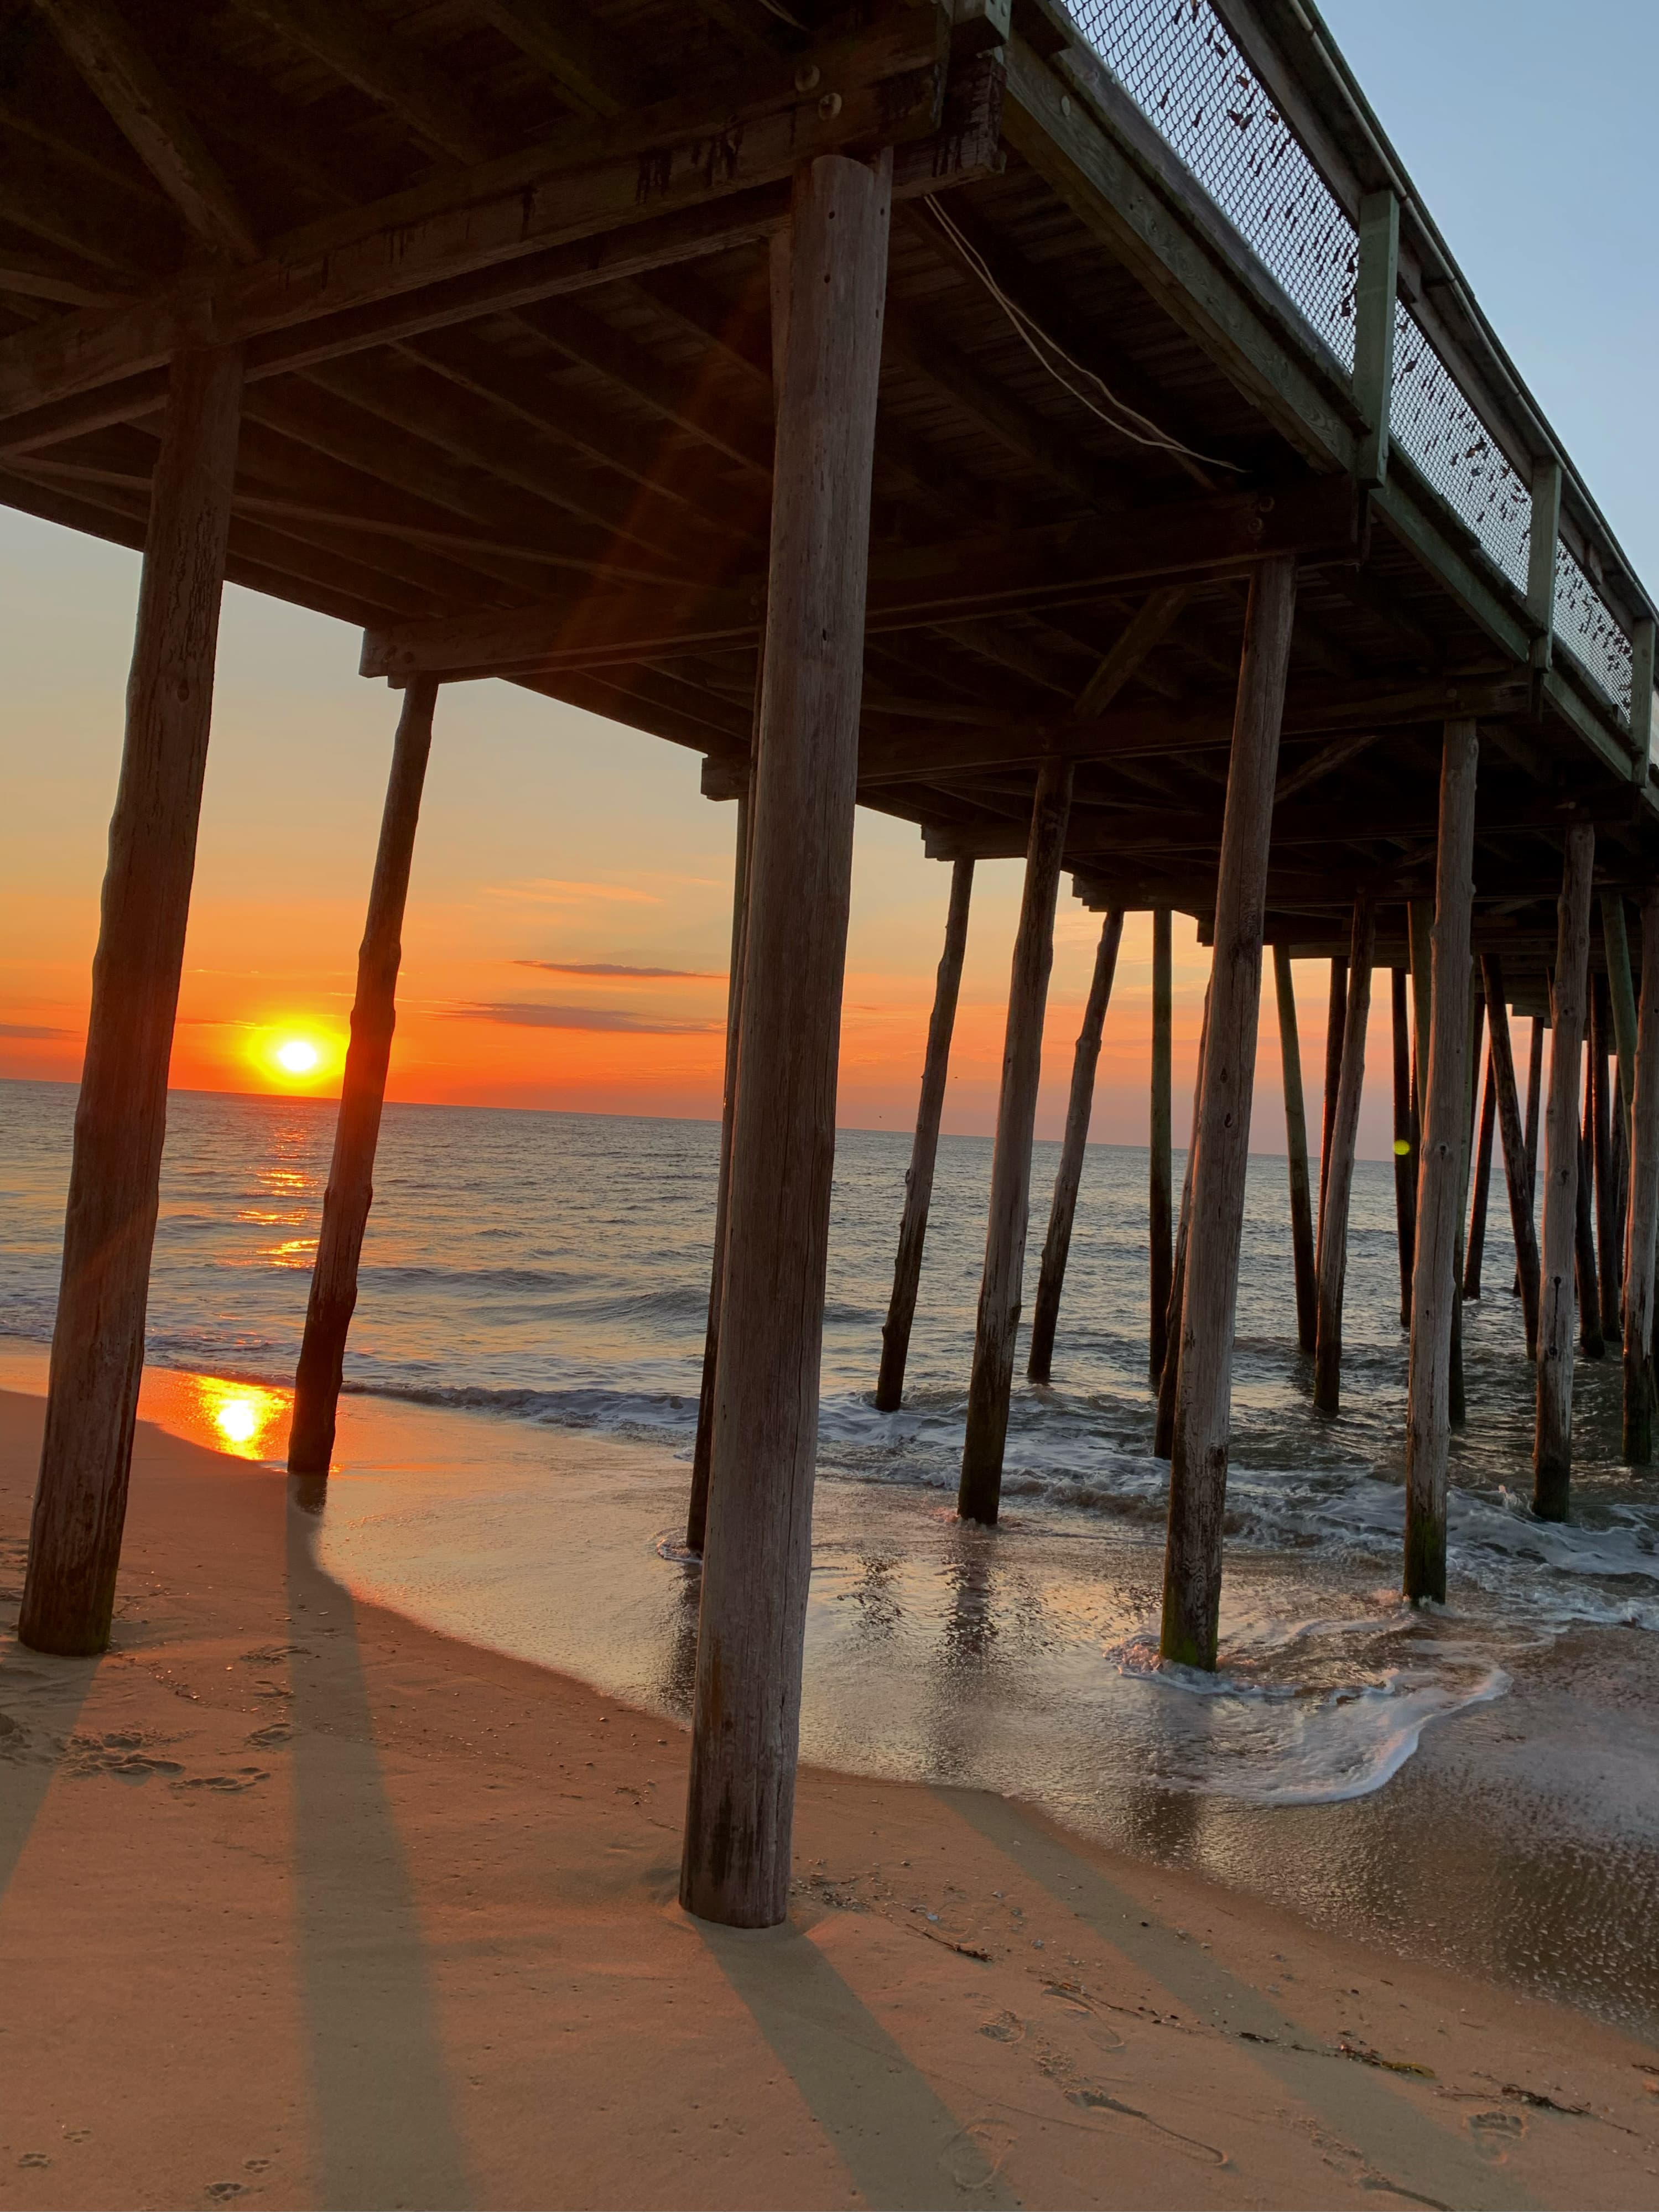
[428, 1952]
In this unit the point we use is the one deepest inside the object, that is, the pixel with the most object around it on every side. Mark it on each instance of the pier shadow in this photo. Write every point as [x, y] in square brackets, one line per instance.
[902, 2145]
[385, 2130]
[1400, 2142]
[40, 1702]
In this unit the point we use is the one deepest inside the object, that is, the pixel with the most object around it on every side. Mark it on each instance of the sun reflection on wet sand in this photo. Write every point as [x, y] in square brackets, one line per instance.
[248, 1420]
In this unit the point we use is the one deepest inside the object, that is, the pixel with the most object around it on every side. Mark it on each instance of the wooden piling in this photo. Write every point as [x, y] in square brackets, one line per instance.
[1552, 1439]
[758, 1558]
[1609, 1228]
[1641, 1395]
[1621, 1003]
[350, 1192]
[1296, 1143]
[1057, 1244]
[1160, 1251]
[1163, 1420]
[1585, 1274]
[1336, 1014]
[1198, 1467]
[979, 1494]
[1405, 1141]
[924, 1147]
[1476, 1246]
[1516, 1176]
[1457, 1395]
[702, 1451]
[120, 1117]
[1338, 1188]
[1420, 929]
[1440, 1178]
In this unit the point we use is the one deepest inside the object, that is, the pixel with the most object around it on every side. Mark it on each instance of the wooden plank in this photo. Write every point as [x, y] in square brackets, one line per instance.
[1063, 1212]
[1160, 1252]
[1440, 1174]
[979, 1493]
[1641, 1395]
[97, 1344]
[594, 180]
[333, 1296]
[594, 69]
[1198, 1467]
[154, 121]
[745, 1722]
[1518, 1163]
[915, 586]
[1552, 1437]
[1296, 1134]
[924, 1148]
[385, 66]
[1145, 630]
[1337, 1189]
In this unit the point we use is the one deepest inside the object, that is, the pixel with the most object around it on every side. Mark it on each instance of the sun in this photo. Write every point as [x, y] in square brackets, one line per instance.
[294, 1054]
[297, 1054]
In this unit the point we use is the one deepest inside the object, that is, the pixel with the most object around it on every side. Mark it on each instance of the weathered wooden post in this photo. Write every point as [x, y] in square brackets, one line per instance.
[758, 1558]
[702, 1450]
[1641, 1395]
[1586, 1273]
[1164, 1419]
[1440, 1177]
[1475, 1250]
[120, 1117]
[979, 1494]
[1609, 1228]
[1553, 1440]
[1295, 1146]
[1420, 928]
[1516, 1177]
[350, 1191]
[1534, 1095]
[1622, 1000]
[1338, 1188]
[1405, 1141]
[1336, 1014]
[1198, 1467]
[924, 1147]
[1458, 1400]
[1057, 1244]
[1160, 1248]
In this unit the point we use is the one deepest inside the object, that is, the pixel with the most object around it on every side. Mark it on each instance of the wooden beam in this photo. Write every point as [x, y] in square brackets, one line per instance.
[387, 67]
[333, 1295]
[886, 85]
[924, 1148]
[1518, 1163]
[1641, 1395]
[98, 1344]
[1304, 1263]
[1198, 1465]
[63, 278]
[979, 1493]
[914, 586]
[736, 1866]
[154, 122]
[1337, 1186]
[1160, 1177]
[1376, 306]
[596, 70]
[1405, 1141]
[1145, 630]
[1552, 1438]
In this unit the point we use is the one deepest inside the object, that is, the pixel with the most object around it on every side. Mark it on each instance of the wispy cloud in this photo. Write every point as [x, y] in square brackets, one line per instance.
[613, 968]
[529, 1014]
[34, 1032]
[555, 890]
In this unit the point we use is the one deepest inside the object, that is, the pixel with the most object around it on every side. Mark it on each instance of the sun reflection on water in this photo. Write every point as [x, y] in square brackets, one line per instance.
[245, 1419]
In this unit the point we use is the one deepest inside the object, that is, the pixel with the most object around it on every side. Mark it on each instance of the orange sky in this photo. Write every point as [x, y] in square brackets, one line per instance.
[551, 842]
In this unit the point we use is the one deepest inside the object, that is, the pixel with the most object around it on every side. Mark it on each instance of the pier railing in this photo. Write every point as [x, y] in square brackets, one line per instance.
[1183, 69]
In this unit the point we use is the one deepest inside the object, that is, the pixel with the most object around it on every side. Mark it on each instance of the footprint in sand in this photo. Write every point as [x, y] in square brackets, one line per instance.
[1006, 2027]
[221, 2192]
[1494, 2132]
[245, 1778]
[121, 1756]
[269, 1738]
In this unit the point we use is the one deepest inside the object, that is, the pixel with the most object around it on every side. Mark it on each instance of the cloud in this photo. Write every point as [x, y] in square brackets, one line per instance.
[529, 1015]
[33, 1031]
[612, 968]
[554, 891]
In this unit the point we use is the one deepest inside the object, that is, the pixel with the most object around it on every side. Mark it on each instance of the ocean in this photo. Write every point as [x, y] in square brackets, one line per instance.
[1474, 1782]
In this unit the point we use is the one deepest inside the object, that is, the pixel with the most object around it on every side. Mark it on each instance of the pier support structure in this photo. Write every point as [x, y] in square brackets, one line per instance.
[1516, 1173]
[120, 1117]
[1198, 1467]
[1339, 1183]
[979, 1494]
[1641, 1236]
[1057, 1244]
[1609, 1227]
[1405, 1138]
[1440, 1175]
[1475, 1250]
[747, 1708]
[924, 1147]
[1160, 1191]
[1336, 1015]
[350, 1192]
[1563, 1139]
[1296, 1148]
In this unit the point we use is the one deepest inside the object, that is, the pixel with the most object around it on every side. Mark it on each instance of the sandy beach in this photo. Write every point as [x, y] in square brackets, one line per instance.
[303, 1904]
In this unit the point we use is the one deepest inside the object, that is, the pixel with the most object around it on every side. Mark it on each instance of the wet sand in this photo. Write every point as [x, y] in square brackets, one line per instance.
[301, 1902]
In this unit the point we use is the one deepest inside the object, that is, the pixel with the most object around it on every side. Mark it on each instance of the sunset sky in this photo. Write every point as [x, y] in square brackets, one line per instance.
[557, 852]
